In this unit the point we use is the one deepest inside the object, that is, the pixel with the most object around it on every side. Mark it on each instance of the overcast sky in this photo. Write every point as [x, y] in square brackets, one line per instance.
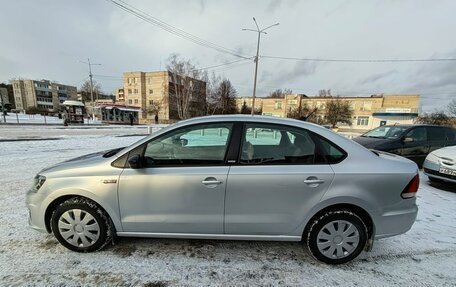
[48, 39]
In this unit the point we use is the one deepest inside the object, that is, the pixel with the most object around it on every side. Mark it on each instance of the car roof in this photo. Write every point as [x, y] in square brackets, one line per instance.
[246, 118]
[416, 125]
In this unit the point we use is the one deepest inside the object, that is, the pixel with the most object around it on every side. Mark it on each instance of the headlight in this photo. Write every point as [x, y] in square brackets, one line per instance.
[38, 182]
[432, 158]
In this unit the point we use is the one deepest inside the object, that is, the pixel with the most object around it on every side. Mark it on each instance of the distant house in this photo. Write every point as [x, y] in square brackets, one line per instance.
[42, 94]
[146, 90]
[368, 112]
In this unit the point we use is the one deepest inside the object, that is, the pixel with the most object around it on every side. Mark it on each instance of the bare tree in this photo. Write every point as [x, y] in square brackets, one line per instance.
[279, 93]
[435, 118]
[338, 111]
[85, 91]
[186, 84]
[305, 113]
[227, 95]
[154, 108]
[452, 107]
[212, 98]
[325, 93]
[220, 95]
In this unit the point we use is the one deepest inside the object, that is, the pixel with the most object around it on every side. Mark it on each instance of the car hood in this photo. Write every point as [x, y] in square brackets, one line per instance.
[85, 161]
[448, 152]
[371, 142]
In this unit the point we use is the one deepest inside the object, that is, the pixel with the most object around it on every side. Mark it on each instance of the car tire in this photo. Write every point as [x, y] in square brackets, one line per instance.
[336, 236]
[81, 225]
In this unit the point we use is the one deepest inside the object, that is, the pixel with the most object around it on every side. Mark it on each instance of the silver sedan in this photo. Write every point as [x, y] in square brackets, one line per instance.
[231, 177]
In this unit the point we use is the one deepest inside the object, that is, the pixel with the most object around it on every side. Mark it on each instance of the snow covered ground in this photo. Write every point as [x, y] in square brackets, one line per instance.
[425, 256]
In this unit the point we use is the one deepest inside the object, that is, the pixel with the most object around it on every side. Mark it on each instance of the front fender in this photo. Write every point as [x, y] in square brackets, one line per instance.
[109, 204]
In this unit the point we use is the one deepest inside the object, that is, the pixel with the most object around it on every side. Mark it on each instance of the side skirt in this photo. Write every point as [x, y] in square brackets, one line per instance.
[211, 236]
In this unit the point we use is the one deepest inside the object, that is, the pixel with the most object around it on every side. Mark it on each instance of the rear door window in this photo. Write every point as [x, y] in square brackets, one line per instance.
[436, 134]
[450, 135]
[265, 144]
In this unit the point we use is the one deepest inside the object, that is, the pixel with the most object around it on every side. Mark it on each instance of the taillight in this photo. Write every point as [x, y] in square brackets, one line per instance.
[411, 188]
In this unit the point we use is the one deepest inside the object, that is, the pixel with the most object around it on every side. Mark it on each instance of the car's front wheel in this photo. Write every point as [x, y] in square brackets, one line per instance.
[81, 225]
[336, 236]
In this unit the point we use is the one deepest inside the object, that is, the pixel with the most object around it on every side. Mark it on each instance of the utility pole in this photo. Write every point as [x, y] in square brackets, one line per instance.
[3, 107]
[91, 85]
[259, 31]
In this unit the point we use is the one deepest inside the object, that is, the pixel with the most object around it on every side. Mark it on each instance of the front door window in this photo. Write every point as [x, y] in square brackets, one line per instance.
[196, 145]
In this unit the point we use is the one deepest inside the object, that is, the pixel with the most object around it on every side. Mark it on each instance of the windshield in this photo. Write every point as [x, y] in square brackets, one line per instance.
[391, 132]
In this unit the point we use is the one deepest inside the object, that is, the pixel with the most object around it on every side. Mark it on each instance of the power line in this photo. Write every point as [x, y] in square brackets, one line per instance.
[110, 77]
[172, 29]
[360, 60]
[225, 64]
[230, 67]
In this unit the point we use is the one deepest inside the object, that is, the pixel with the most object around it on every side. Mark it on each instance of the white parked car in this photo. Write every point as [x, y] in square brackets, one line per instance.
[440, 165]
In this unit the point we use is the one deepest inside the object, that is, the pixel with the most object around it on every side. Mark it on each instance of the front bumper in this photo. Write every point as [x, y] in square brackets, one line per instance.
[431, 169]
[34, 202]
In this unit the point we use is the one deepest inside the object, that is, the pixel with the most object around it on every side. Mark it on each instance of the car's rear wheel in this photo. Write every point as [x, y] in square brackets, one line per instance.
[81, 225]
[336, 237]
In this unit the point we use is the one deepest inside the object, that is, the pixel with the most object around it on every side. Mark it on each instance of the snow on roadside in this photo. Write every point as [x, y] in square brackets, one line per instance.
[424, 256]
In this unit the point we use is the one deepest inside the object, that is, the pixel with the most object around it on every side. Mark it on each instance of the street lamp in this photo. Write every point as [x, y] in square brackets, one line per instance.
[259, 31]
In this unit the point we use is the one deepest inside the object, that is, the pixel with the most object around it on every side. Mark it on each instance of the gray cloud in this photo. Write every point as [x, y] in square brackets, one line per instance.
[377, 77]
[284, 76]
[52, 46]
[273, 5]
[202, 4]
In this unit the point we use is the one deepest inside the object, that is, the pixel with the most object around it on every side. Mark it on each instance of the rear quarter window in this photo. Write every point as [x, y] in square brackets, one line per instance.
[331, 153]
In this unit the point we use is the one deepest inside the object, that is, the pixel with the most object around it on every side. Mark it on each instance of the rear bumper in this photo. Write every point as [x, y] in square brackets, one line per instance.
[395, 222]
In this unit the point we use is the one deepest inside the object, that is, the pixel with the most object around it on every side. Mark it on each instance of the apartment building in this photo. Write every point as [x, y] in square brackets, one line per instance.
[248, 102]
[4, 100]
[120, 96]
[368, 112]
[41, 94]
[149, 90]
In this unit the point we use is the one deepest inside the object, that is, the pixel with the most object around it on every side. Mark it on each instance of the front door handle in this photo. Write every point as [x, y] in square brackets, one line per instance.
[211, 182]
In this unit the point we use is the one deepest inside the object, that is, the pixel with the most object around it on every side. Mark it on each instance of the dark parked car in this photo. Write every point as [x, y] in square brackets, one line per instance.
[414, 142]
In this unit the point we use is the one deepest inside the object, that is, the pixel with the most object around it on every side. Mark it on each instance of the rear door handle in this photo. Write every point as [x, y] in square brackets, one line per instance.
[210, 182]
[314, 181]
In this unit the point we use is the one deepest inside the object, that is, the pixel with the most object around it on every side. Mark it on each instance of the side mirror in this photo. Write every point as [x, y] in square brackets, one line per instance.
[407, 140]
[135, 161]
[184, 142]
